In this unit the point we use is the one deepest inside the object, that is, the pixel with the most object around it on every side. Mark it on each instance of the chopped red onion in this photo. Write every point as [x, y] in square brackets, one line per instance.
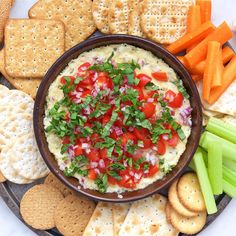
[131, 129]
[118, 131]
[93, 164]
[185, 116]
[137, 176]
[150, 100]
[97, 171]
[131, 173]
[141, 62]
[85, 145]
[101, 163]
[165, 137]
[122, 89]
[113, 62]
[71, 152]
[88, 150]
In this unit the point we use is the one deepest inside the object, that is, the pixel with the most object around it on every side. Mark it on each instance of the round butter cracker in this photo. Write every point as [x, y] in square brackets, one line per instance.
[38, 205]
[189, 192]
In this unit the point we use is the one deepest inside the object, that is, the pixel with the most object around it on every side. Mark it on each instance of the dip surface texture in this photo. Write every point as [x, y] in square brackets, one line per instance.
[117, 118]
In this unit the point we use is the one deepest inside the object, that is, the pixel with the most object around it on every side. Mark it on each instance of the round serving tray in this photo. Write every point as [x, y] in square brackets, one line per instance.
[12, 193]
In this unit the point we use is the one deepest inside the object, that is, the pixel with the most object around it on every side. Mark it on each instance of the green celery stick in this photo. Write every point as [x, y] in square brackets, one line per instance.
[215, 167]
[222, 129]
[192, 166]
[229, 164]
[204, 155]
[229, 176]
[228, 148]
[229, 189]
[204, 182]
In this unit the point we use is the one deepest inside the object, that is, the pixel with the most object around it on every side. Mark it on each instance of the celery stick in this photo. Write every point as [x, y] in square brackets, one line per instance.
[229, 189]
[204, 182]
[215, 167]
[192, 166]
[228, 148]
[229, 176]
[222, 129]
[229, 164]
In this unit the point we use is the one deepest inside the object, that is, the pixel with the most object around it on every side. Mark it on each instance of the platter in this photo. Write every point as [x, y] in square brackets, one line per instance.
[12, 193]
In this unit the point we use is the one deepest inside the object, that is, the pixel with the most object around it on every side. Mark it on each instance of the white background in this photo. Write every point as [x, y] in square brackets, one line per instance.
[224, 224]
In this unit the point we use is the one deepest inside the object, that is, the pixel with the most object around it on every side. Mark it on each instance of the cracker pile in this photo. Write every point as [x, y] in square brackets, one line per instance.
[186, 209]
[20, 160]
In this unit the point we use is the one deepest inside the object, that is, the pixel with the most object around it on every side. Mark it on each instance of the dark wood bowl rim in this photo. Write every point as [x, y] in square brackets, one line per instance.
[170, 59]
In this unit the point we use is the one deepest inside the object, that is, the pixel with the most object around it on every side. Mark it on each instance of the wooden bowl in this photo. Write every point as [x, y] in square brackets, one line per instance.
[158, 51]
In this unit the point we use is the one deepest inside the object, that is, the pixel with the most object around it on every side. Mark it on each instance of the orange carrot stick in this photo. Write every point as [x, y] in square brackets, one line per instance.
[221, 34]
[212, 52]
[196, 78]
[227, 55]
[191, 38]
[182, 60]
[205, 6]
[218, 72]
[193, 21]
[229, 76]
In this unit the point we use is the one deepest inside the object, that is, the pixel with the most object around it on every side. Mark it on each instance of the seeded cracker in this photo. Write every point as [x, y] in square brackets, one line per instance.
[100, 10]
[56, 183]
[32, 46]
[72, 215]
[147, 217]
[75, 14]
[187, 225]
[5, 6]
[38, 205]
[189, 192]
[101, 222]
[27, 85]
[175, 202]
[164, 21]
[119, 16]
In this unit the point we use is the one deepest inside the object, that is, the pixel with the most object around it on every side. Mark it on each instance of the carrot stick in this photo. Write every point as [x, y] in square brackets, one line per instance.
[212, 52]
[221, 34]
[227, 54]
[218, 73]
[196, 78]
[182, 60]
[229, 76]
[193, 21]
[205, 6]
[191, 38]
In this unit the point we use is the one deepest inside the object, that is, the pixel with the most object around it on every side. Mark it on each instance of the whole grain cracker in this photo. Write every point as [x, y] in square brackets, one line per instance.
[16, 126]
[100, 9]
[187, 225]
[38, 205]
[73, 214]
[6, 167]
[2, 178]
[101, 223]
[147, 217]
[175, 202]
[164, 21]
[190, 194]
[32, 46]
[5, 7]
[56, 183]
[3, 141]
[27, 85]
[76, 15]
[26, 159]
[119, 212]
[17, 99]
[119, 16]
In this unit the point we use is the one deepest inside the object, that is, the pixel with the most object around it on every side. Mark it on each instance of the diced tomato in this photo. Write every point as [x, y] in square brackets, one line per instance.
[174, 140]
[174, 100]
[161, 76]
[85, 83]
[112, 180]
[161, 147]
[113, 134]
[66, 140]
[78, 150]
[104, 80]
[153, 119]
[95, 137]
[103, 153]
[94, 155]
[105, 119]
[85, 93]
[143, 80]
[109, 112]
[72, 79]
[119, 121]
[83, 69]
[92, 75]
[92, 174]
[127, 182]
[148, 109]
[126, 137]
[141, 133]
[147, 143]
[152, 170]
[150, 94]
[140, 93]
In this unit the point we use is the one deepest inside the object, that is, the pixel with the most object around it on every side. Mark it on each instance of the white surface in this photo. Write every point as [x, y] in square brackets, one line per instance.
[225, 223]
